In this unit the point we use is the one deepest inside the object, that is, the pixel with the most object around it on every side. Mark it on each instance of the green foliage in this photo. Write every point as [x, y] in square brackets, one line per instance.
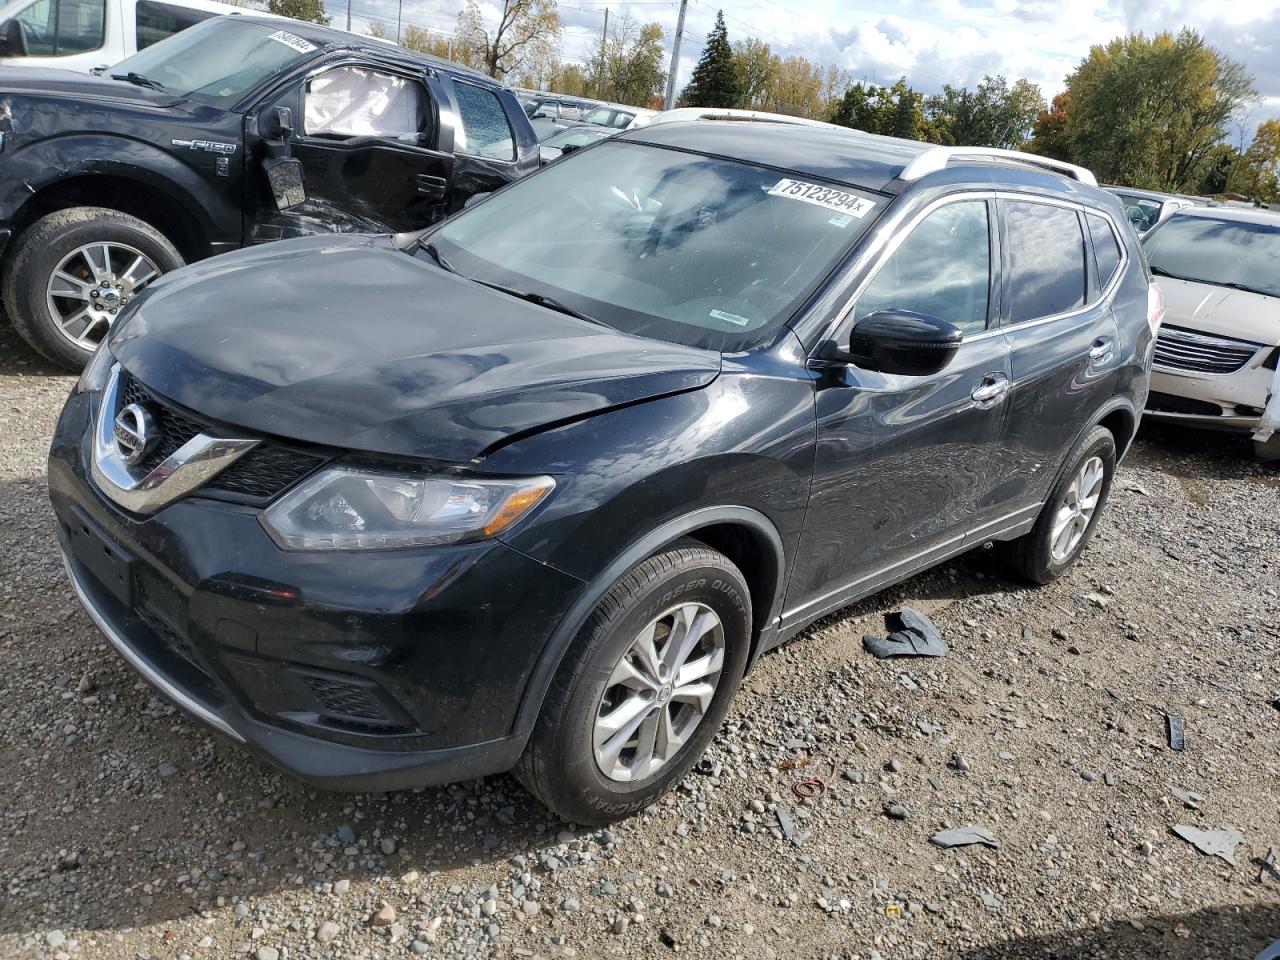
[310, 10]
[632, 70]
[715, 81]
[1147, 112]
[993, 115]
[907, 118]
[1049, 135]
[1257, 174]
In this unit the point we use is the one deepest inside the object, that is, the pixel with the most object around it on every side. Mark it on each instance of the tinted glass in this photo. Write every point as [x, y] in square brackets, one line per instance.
[942, 269]
[218, 60]
[1142, 213]
[661, 243]
[1105, 248]
[155, 21]
[1046, 260]
[58, 27]
[484, 122]
[1224, 252]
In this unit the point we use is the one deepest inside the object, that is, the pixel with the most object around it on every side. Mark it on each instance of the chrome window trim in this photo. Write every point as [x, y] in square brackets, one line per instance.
[895, 232]
[188, 468]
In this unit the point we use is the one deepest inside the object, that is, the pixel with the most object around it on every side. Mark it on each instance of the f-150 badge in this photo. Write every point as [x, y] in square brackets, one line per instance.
[208, 146]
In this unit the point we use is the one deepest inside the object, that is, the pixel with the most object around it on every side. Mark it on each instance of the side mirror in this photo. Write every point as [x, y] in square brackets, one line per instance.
[540, 115]
[569, 148]
[13, 39]
[903, 342]
[282, 123]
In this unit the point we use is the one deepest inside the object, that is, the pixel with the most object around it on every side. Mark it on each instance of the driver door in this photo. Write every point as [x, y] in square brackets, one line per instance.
[374, 156]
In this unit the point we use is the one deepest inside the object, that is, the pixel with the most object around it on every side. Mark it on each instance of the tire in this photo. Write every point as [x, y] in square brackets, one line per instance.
[45, 244]
[1032, 555]
[560, 765]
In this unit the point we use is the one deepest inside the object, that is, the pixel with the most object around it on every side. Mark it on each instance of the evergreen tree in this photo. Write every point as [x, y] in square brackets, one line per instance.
[906, 115]
[715, 80]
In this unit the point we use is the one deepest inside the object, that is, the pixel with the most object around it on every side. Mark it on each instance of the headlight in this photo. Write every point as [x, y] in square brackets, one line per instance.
[94, 376]
[347, 508]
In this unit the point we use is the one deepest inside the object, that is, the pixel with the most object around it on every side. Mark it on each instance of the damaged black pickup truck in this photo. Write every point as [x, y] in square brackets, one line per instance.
[233, 132]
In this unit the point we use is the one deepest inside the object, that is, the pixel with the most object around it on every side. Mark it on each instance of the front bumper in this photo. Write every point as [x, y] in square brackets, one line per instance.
[1234, 401]
[371, 671]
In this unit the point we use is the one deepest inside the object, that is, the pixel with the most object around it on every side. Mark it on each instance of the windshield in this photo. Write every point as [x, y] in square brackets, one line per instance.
[608, 117]
[576, 137]
[216, 61]
[676, 246]
[1224, 252]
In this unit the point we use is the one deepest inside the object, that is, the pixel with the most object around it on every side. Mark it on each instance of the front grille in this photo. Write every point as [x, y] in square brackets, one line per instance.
[1178, 349]
[264, 472]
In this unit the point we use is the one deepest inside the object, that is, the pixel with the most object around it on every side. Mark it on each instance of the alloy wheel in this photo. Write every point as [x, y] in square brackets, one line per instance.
[90, 286]
[659, 692]
[1077, 509]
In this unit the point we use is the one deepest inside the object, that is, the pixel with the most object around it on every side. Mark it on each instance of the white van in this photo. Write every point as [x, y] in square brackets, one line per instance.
[84, 35]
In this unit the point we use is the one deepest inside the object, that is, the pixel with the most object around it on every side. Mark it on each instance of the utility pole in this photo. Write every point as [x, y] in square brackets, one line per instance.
[348, 16]
[604, 41]
[669, 97]
[399, 12]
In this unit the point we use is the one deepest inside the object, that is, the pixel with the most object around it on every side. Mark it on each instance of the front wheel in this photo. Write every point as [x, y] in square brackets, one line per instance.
[643, 689]
[1067, 521]
[73, 271]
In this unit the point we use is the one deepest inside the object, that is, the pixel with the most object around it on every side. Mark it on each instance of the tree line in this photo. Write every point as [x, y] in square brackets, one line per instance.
[1152, 112]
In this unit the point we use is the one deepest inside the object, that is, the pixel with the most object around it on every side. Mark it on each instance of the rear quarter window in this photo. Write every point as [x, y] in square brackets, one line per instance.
[484, 122]
[1106, 249]
[1046, 260]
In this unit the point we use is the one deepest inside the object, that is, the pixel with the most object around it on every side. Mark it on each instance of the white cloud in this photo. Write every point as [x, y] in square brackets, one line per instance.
[932, 42]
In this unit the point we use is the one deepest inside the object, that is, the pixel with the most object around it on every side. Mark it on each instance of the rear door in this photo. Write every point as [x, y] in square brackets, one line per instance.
[903, 465]
[1062, 336]
[375, 156]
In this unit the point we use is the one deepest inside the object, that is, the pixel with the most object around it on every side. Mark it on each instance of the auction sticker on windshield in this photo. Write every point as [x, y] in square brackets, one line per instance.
[822, 196]
[292, 40]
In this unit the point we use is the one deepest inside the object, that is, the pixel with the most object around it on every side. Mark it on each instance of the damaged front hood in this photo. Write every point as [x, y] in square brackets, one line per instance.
[67, 84]
[1207, 308]
[348, 342]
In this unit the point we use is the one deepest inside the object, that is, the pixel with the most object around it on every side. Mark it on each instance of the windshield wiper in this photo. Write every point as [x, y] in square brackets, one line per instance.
[438, 257]
[551, 303]
[1248, 289]
[1162, 272]
[138, 80]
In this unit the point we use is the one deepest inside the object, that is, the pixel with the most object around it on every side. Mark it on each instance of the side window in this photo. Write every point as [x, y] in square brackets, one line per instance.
[943, 269]
[484, 122]
[59, 27]
[1106, 249]
[359, 102]
[1046, 260]
[155, 21]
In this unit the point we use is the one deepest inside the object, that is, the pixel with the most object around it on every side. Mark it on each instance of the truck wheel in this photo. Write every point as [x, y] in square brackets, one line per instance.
[1068, 518]
[71, 273]
[643, 689]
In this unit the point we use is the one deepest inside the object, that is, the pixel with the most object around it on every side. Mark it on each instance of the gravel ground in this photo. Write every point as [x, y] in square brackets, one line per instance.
[128, 831]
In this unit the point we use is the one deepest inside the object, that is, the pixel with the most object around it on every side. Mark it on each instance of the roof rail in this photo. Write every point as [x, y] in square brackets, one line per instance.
[936, 158]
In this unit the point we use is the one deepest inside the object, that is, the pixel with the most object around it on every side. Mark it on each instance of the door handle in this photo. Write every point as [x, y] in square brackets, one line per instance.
[1102, 349]
[993, 387]
[432, 187]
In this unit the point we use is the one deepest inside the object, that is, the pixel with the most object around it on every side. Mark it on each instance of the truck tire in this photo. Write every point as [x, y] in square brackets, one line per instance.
[644, 687]
[73, 270]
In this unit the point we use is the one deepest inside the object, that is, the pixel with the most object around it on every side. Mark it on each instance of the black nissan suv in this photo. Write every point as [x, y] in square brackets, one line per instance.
[533, 489]
[235, 131]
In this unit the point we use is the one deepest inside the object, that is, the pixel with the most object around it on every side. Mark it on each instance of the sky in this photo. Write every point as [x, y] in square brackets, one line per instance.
[931, 42]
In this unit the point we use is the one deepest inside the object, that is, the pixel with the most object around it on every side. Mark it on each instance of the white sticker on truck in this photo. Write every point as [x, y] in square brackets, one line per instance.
[292, 40]
[822, 196]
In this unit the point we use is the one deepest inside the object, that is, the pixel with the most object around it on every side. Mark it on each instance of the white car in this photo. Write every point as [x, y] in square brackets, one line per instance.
[86, 35]
[1146, 208]
[1216, 354]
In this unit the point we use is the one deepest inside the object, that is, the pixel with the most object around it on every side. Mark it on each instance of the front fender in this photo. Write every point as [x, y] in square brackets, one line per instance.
[30, 168]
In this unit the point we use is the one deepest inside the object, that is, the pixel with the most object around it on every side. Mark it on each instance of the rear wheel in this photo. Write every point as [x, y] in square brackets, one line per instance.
[73, 271]
[644, 688]
[1067, 521]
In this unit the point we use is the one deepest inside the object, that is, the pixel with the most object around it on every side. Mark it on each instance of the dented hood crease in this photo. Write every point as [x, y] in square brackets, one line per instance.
[350, 343]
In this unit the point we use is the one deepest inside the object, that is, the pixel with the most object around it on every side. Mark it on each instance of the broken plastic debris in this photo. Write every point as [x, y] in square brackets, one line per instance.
[1267, 865]
[964, 837]
[789, 826]
[1215, 843]
[913, 635]
[1176, 739]
[1192, 800]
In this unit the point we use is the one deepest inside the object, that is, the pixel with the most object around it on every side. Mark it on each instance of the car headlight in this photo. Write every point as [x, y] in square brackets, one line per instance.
[350, 508]
[93, 378]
